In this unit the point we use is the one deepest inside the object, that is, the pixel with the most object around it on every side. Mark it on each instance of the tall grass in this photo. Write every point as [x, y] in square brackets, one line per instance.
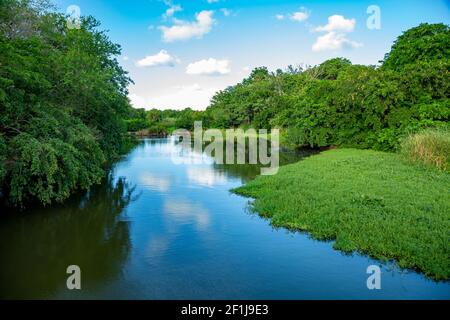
[430, 147]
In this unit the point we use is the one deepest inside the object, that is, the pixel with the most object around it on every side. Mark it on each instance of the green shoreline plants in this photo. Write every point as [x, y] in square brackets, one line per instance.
[430, 147]
[368, 201]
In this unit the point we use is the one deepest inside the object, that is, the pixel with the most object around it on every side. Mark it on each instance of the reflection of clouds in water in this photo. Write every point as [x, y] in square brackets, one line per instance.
[161, 149]
[185, 153]
[177, 213]
[152, 182]
[205, 176]
[158, 246]
[188, 156]
[184, 212]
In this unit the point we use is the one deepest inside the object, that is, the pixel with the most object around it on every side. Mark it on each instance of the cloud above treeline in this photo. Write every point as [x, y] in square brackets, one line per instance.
[162, 58]
[335, 37]
[209, 67]
[185, 30]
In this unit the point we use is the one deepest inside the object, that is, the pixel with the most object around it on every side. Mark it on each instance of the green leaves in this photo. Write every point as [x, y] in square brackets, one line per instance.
[49, 166]
[63, 97]
[424, 43]
[337, 103]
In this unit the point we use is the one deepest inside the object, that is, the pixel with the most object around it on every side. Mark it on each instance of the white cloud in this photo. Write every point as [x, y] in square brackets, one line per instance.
[226, 12]
[183, 30]
[334, 41]
[209, 66]
[178, 97]
[163, 58]
[212, 1]
[279, 17]
[300, 16]
[336, 34]
[172, 10]
[126, 58]
[338, 23]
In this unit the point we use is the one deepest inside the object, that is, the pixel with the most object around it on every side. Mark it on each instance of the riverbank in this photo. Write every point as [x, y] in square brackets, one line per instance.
[367, 201]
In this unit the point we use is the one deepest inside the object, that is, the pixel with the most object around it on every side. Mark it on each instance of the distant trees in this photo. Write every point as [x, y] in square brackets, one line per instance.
[163, 122]
[63, 97]
[337, 103]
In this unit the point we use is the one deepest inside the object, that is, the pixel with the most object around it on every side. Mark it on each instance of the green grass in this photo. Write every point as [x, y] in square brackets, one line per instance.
[368, 201]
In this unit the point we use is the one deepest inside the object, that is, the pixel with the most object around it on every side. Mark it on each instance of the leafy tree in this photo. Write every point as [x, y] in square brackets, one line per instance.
[337, 103]
[330, 69]
[63, 100]
[424, 43]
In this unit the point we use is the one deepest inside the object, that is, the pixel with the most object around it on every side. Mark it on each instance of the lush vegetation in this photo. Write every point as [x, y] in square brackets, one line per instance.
[368, 201]
[388, 205]
[63, 98]
[337, 103]
[162, 122]
[430, 147]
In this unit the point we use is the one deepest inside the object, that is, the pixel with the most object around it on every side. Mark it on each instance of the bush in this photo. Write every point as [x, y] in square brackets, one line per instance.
[431, 147]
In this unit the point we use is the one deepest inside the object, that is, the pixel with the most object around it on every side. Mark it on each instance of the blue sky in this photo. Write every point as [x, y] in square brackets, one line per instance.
[180, 52]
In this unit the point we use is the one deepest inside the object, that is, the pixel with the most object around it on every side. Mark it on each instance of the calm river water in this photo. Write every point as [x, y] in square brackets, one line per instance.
[157, 230]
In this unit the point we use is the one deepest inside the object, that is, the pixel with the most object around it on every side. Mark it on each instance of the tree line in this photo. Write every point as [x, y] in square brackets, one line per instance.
[336, 102]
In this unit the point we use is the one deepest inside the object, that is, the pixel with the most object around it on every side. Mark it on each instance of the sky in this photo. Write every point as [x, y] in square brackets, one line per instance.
[180, 52]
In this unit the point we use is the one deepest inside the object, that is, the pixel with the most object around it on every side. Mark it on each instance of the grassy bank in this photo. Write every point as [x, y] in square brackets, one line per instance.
[368, 201]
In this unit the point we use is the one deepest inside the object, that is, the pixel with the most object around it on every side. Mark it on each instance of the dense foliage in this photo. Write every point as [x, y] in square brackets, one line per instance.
[63, 98]
[163, 122]
[337, 103]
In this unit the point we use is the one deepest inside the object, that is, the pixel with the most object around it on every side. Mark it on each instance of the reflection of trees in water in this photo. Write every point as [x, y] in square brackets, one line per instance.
[37, 248]
[249, 171]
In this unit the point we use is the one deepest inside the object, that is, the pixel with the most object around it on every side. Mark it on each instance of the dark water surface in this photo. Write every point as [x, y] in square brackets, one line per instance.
[157, 230]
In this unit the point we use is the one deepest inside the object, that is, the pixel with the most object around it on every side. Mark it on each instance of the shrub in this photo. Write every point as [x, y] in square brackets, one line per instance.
[431, 147]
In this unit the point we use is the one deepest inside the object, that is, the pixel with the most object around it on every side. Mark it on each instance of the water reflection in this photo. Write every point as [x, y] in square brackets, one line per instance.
[87, 232]
[247, 172]
[205, 176]
[216, 167]
[184, 212]
[178, 233]
[154, 182]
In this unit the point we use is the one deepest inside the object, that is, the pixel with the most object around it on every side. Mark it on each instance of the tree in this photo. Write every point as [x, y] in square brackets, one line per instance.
[424, 43]
[63, 100]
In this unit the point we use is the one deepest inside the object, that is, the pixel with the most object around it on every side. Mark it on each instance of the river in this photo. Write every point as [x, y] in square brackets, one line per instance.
[159, 230]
